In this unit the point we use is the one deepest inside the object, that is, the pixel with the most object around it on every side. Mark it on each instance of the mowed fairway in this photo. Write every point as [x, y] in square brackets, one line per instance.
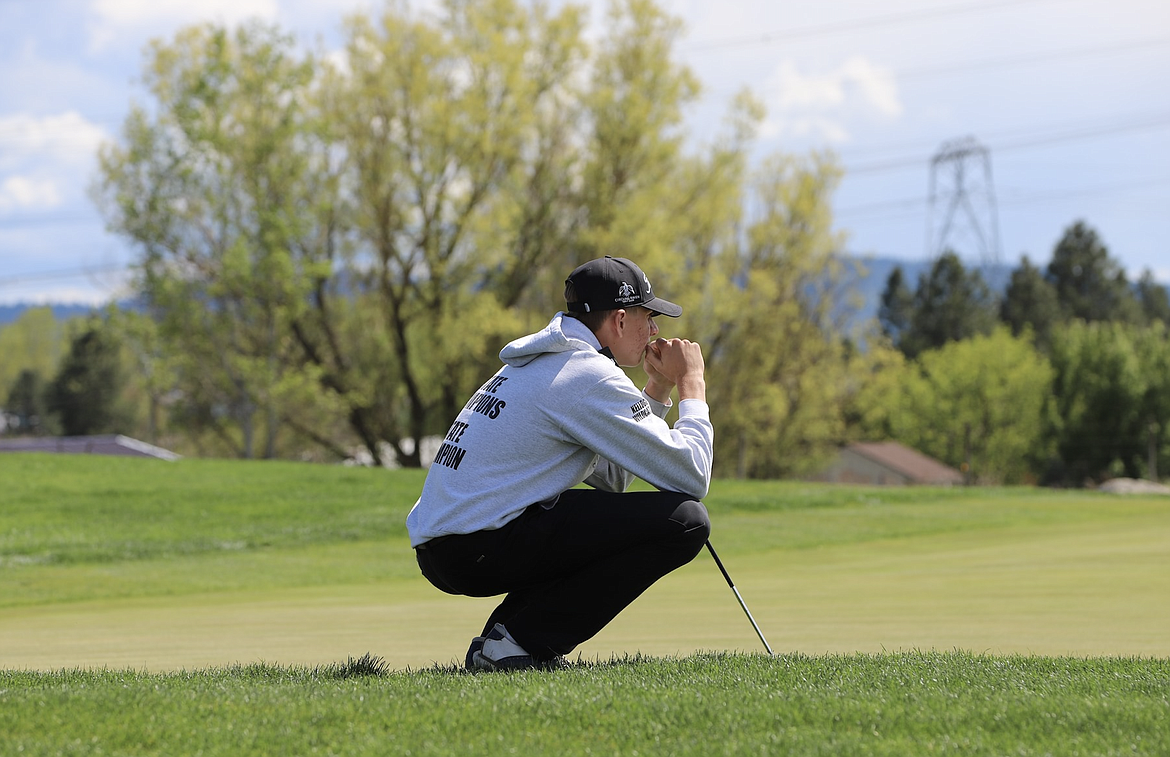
[165, 566]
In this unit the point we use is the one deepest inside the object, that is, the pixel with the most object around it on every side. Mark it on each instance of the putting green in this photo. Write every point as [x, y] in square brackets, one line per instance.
[1095, 588]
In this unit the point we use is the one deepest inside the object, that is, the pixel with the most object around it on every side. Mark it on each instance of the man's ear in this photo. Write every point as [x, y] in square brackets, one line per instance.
[619, 321]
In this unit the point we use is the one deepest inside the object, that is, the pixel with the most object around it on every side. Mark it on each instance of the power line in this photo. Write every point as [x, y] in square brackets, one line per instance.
[1029, 199]
[1139, 123]
[1116, 48]
[70, 218]
[67, 273]
[1153, 122]
[1080, 52]
[890, 19]
[915, 205]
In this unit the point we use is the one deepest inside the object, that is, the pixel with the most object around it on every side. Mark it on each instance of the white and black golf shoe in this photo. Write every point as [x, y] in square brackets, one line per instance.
[500, 651]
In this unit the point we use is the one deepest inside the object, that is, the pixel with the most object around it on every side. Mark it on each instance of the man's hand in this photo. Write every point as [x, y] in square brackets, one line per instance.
[657, 386]
[676, 362]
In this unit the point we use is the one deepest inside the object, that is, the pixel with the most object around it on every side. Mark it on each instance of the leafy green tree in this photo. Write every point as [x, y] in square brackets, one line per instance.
[776, 368]
[26, 400]
[878, 377]
[980, 404]
[219, 187]
[634, 107]
[1152, 345]
[950, 304]
[897, 305]
[1030, 303]
[1154, 299]
[458, 156]
[35, 342]
[150, 372]
[378, 228]
[1090, 284]
[85, 394]
[1107, 391]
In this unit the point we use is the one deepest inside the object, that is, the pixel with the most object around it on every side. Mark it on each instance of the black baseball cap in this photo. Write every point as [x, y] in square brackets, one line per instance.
[611, 283]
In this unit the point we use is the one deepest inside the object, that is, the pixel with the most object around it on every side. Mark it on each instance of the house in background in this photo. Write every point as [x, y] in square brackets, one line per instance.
[887, 464]
[109, 444]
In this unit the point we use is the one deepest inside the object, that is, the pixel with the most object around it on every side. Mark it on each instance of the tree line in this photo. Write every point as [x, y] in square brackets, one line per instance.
[331, 250]
[1063, 379]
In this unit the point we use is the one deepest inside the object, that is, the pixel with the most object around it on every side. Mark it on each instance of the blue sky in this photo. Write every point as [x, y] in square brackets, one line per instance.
[1069, 98]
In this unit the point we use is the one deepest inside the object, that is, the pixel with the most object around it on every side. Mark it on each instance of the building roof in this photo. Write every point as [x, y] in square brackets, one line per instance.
[910, 463]
[110, 444]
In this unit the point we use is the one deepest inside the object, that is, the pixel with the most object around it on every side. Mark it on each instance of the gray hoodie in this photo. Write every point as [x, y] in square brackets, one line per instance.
[558, 413]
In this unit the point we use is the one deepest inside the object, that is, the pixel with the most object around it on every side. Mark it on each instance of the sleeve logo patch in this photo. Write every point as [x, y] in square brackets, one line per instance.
[641, 410]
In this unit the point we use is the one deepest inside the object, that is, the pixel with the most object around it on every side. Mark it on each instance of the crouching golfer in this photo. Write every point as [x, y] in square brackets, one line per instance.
[498, 512]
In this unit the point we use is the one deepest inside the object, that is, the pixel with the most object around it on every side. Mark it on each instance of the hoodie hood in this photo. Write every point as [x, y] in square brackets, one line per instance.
[562, 334]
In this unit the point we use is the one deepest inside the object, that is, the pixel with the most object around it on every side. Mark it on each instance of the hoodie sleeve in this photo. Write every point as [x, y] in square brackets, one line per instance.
[620, 424]
[610, 477]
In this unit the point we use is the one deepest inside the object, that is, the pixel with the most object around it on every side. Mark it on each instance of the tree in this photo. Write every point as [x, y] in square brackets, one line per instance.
[360, 239]
[634, 107]
[777, 377]
[1109, 386]
[26, 400]
[1090, 285]
[1154, 299]
[35, 341]
[878, 377]
[150, 369]
[85, 393]
[1152, 345]
[1030, 303]
[219, 188]
[897, 306]
[980, 404]
[457, 154]
[950, 304]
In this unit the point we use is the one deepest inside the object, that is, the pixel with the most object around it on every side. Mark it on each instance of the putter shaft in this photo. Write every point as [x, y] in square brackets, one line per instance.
[742, 604]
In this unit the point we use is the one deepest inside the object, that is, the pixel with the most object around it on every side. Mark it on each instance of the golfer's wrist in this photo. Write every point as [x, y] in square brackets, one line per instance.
[659, 390]
[692, 389]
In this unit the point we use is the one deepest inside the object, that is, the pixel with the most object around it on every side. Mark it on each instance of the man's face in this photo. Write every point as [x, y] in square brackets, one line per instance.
[638, 330]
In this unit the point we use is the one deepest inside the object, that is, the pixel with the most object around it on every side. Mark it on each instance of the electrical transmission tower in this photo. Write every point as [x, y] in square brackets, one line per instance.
[962, 198]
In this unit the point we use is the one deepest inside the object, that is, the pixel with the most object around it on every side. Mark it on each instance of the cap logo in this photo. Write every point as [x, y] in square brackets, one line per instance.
[647, 280]
[626, 292]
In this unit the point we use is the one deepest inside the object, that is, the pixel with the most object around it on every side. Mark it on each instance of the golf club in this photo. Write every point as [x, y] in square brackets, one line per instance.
[737, 596]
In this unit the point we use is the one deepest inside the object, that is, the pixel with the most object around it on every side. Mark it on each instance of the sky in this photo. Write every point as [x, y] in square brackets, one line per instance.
[1052, 111]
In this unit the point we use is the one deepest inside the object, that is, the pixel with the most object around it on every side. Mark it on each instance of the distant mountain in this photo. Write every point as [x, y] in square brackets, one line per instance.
[9, 313]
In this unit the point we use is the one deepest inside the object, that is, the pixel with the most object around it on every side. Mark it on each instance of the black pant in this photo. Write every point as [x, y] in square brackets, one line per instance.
[570, 569]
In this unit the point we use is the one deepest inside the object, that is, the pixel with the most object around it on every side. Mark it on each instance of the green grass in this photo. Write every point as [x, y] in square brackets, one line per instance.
[892, 704]
[205, 607]
[88, 509]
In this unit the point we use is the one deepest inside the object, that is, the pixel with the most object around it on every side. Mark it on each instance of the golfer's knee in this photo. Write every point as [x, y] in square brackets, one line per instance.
[692, 515]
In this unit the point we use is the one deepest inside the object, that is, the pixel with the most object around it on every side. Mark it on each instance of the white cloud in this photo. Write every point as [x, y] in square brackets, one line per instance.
[822, 104]
[24, 193]
[874, 85]
[115, 18]
[45, 161]
[813, 128]
[136, 12]
[67, 139]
